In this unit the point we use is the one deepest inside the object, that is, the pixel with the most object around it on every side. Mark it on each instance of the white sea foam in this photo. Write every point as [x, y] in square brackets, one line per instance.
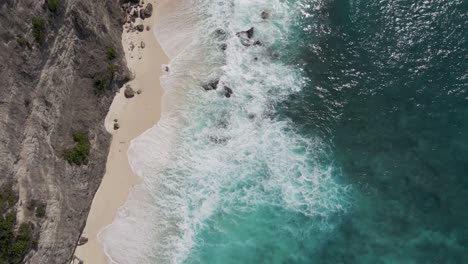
[211, 153]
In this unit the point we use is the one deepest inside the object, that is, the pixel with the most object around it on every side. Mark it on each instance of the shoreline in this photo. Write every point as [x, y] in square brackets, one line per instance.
[135, 115]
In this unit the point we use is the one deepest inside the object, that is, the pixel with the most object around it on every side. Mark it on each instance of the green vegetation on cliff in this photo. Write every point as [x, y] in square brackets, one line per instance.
[14, 244]
[78, 155]
[39, 29]
[53, 5]
[111, 53]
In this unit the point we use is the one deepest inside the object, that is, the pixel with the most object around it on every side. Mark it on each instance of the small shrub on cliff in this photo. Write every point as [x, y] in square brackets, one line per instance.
[22, 42]
[53, 5]
[78, 155]
[112, 68]
[39, 29]
[41, 210]
[111, 53]
[101, 83]
[37, 206]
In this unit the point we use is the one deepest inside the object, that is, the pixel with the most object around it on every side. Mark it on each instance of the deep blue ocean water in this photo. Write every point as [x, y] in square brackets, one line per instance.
[345, 139]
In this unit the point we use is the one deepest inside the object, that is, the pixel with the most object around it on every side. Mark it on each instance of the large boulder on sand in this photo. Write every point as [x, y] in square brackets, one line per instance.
[129, 92]
[148, 10]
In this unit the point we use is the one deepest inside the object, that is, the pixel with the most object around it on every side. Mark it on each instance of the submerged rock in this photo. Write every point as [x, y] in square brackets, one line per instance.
[220, 33]
[265, 15]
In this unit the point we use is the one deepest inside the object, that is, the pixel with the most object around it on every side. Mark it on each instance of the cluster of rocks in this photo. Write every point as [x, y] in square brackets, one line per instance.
[134, 9]
[247, 38]
[130, 92]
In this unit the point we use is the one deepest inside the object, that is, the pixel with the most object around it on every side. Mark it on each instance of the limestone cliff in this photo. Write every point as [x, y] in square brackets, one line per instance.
[53, 56]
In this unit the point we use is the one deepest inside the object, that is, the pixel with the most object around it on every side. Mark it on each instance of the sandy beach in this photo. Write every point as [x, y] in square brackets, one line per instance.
[135, 115]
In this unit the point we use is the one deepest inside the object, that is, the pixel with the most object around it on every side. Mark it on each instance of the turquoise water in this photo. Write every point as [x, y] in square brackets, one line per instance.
[344, 139]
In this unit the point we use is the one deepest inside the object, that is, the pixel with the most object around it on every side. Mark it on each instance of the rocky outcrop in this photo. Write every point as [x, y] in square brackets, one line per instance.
[49, 91]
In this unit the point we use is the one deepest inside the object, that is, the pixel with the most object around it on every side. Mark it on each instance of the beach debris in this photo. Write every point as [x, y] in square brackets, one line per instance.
[166, 68]
[140, 27]
[83, 240]
[265, 15]
[116, 120]
[142, 45]
[227, 91]
[148, 10]
[129, 92]
[139, 91]
[211, 85]
[116, 126]
[148, 28]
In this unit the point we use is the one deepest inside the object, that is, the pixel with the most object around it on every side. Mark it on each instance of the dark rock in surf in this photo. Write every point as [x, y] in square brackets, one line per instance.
[250, 32]
[265, 15]
[258, 43]
[246, 36]
[142, 14]
[227, 91]
[212, 85]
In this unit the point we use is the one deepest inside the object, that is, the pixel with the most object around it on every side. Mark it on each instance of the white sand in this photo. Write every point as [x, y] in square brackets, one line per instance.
[135, 115]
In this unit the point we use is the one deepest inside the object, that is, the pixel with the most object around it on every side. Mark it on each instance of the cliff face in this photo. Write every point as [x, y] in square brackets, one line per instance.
[48, 91]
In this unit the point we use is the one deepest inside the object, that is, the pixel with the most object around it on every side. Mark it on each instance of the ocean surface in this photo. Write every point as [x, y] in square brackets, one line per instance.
[345, 138]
